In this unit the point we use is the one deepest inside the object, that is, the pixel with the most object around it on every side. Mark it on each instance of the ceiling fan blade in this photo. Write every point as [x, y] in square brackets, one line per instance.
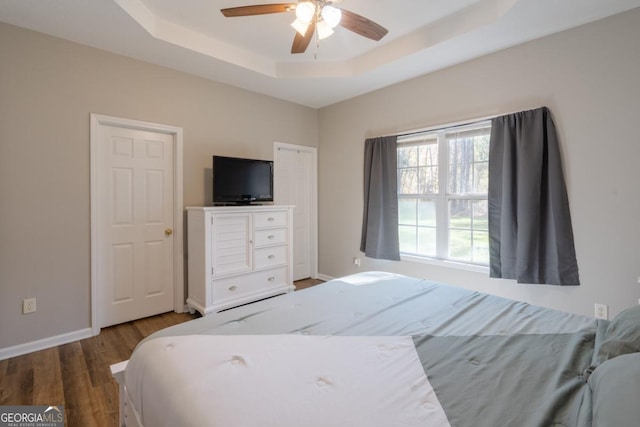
[363, 26]
[258, 9]
[300, 43]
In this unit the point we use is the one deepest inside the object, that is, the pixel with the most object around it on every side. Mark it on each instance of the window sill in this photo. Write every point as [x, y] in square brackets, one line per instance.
[446, 263]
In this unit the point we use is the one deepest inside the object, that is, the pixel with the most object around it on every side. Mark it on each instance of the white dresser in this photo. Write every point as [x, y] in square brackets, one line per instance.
[238, 255]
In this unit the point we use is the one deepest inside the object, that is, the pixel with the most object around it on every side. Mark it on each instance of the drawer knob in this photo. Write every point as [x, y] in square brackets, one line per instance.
[233, 288]
[271, 237]
[271, 279]
[271, 256]
[271, 219]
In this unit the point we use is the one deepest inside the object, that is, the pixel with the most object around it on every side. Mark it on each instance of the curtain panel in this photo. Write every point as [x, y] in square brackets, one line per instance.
[380, 213]
[530, 233]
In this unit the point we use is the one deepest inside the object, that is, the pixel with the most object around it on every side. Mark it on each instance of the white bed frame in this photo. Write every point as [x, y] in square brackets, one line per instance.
[127, 414]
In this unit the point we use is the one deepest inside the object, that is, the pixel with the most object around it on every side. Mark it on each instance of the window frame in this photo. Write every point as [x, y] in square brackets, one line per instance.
[443, 197]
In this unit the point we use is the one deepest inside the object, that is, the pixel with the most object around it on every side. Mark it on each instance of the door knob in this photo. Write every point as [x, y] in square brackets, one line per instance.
[168, 232]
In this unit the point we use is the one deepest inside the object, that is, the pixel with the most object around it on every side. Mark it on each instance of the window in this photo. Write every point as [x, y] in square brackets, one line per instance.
[442, 193]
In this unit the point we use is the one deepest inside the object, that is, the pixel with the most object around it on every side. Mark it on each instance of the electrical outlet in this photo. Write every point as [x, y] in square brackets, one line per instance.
[356, 262]
[28, 305]
[602, 311]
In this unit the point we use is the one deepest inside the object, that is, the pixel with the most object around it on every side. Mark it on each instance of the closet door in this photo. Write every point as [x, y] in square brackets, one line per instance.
[295, 185]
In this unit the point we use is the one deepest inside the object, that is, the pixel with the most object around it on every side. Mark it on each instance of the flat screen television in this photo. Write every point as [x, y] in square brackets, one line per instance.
[242, 181]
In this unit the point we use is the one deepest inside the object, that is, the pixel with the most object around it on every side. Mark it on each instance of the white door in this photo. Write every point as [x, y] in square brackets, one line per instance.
[295, 184]
[135, 222]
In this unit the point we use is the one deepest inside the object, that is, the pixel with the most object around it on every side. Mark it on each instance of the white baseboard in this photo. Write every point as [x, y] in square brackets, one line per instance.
[29, 347]
[325, 277]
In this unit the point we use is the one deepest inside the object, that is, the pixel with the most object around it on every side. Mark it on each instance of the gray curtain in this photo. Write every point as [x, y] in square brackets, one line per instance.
[380, 216]
[530, 234]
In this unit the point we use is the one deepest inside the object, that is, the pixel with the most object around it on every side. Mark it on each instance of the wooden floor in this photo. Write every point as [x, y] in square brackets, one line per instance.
[77, 374]
[306, 283]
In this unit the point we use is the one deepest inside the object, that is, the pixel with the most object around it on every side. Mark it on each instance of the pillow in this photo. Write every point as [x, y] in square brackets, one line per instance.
[615, 387]
[622, 335]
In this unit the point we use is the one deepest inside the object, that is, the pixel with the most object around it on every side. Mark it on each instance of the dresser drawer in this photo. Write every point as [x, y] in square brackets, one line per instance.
[270, 256]
[267, 237]
[270, 219]
[235, 287]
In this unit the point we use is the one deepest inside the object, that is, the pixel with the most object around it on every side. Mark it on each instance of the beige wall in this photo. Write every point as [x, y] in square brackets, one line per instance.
[48, 88]
[588, 77]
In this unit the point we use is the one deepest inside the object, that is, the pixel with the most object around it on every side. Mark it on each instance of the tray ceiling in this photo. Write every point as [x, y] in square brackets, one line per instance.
[253, 52]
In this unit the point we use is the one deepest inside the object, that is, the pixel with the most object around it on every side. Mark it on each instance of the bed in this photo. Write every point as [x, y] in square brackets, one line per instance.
[379, 349]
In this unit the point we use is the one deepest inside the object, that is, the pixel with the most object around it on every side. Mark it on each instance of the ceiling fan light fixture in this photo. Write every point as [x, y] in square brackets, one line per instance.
[305, 11]
[314, 18]
[300, 27]
[331, 15]
[324, 30]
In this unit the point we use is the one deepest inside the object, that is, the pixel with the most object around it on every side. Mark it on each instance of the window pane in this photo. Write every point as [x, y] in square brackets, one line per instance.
[427, 212]
[460, 214]
[468, 235]
[420, 240]
[460, 245]
[407, 211]
[429, 154]
[468, 161]
[428, 179]
[460, 166]
[427, 241]
[407, 156]
[407, 238]
[408, 181]
[418, 168]
[460, 149]
[481, 150]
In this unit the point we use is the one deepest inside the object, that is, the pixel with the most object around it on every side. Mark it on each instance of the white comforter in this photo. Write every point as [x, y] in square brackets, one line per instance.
[281, 380]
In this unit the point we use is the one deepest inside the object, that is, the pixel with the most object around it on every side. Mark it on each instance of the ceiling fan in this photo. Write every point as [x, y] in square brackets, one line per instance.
[314, 17]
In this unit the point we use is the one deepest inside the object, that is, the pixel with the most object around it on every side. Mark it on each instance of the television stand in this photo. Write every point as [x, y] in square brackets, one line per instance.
[238, 255]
